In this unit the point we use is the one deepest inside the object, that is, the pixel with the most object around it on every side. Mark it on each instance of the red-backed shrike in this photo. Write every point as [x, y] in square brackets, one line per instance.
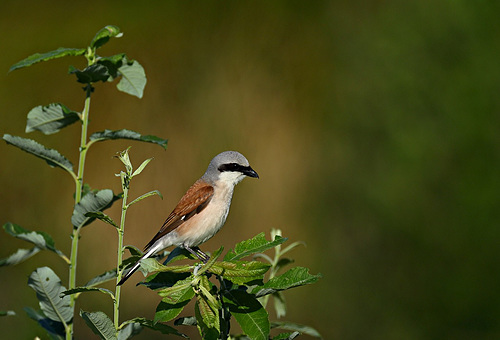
[202, 210]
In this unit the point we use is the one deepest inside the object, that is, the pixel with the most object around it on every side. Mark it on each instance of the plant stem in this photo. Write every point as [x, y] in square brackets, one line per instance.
[116, 316]
[78, 196]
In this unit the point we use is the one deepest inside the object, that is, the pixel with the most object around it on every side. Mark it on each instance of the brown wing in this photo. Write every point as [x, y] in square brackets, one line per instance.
[194, 201]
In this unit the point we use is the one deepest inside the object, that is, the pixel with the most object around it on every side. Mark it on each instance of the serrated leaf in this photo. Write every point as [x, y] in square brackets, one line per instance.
[240, 272]
[294, 277]
[291, 326]
[100, 324]
[151, 193]
[88, 289]
[254, 245]
[129, 331]
[205, 289]
[51, 118]
[92, 202]
[127, 134]
[180, 290]
[103, 217]
[104, 277]
[38, 57]
[249, 313]
[133, 79]
[174, 302]
[164, 329]
[51, 156]
[19, 256]
[48, 288]
[207, 320]
[151, 265]
[104, 35]
[54, 328]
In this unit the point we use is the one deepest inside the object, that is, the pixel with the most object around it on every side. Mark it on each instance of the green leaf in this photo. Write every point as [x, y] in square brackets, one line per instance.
[295, 277]
[127, 134]
[207, 320]
[174, 301]
[91, 74]
[133, 79]
[241, 272]
[151, 193]
[100, 324]
[178, 292]
[163, 280]
[256, 244]
[103, 217]
[164, 329]
[151, 265]
[141, 167]
[124, 157]
[54, 328]
[279, 304]
[7, 313]
[113, 63]
[19, 256]
[212, 261]
[38, 57]
[104, 35]
[205, 288]
[39, 238]
[88, 289]
[178, 254]
[290, 326]
[51, 156]
[185, 321]
[104, 277]
[48, 288]
[51, 118]
[249, 313]
[129, 331]
[92, 202]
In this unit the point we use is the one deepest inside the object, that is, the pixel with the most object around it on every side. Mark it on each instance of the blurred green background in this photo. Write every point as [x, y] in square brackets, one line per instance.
[374, 127]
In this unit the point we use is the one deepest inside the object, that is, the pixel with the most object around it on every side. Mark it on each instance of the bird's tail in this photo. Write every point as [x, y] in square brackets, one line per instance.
[136, 266]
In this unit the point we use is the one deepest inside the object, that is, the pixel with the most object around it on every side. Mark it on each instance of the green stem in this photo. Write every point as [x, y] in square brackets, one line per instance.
[116, 313]
[78, 196]
[272, 272]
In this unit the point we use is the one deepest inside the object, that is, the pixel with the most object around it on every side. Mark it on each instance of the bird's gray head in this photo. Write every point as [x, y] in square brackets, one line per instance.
[229, 166]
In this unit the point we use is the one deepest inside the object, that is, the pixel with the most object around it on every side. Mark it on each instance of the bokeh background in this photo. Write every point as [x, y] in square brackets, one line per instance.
[374, 126]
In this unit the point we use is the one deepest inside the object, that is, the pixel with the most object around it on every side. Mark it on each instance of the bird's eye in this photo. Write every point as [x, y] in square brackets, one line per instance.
[229, 167]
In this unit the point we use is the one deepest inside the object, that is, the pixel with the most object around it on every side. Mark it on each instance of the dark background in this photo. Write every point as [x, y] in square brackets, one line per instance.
[373, 125]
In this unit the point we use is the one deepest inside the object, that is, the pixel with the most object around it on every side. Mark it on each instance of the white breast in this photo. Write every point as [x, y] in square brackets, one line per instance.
[208, 222]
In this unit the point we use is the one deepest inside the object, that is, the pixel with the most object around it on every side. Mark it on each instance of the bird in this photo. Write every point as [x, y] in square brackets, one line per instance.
[203, 209]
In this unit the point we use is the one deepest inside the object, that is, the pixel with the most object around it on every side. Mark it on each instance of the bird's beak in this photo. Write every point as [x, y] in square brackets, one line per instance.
[250, 172]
